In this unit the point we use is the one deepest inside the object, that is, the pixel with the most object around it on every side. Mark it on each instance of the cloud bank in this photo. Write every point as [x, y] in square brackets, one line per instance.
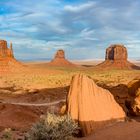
[83, 28]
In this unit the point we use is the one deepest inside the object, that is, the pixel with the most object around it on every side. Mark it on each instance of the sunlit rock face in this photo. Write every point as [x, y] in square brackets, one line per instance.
[116, 58]
[60, 60]
[92, 106]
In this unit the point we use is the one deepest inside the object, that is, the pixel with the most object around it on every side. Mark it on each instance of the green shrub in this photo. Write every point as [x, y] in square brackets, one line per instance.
[53, 127]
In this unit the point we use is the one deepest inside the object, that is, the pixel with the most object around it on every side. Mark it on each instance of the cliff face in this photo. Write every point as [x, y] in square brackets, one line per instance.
[92, 106]
[5, 52]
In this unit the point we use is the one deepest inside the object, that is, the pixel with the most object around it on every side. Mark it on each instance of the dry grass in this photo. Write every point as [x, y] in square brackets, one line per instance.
[52, 77]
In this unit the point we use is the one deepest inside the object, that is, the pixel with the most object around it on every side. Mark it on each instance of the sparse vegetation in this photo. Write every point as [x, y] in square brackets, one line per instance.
[7, 134]
[53, 127]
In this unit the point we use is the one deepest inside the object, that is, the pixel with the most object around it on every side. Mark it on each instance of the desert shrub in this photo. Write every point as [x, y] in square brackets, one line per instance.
[53, 127]
[7, 134]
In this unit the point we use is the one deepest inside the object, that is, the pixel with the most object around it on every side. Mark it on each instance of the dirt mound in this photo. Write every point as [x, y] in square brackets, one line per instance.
[7, 61]
[92, 106]
[116, 57]
[17, 117]
[60, 60]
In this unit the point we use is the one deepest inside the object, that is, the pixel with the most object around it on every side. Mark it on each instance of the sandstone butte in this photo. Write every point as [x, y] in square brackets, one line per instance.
[60, 60]
[92, 106]
[7, 60]
[116, 57]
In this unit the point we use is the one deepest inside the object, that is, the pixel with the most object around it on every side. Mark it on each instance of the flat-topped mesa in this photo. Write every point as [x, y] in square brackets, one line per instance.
[5, 52]
[60, 60]
[116, 52]
[116, 58]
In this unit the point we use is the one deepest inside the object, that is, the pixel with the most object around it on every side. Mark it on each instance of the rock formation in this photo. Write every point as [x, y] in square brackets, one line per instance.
[60, 60]
[116, 52]
[92, 106]
[134, 92]
[135, 105]
[133, 86]
[7, 60]
[5, 52]
[116, 57]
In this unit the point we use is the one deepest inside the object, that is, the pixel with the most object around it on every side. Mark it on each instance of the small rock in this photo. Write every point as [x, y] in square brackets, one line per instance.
[21, 92]
[33, 90]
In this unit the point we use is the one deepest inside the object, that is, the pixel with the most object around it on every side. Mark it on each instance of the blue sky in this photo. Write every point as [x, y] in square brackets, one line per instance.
[83, 28]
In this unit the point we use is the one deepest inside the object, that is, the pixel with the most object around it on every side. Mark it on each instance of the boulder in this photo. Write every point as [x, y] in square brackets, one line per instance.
[134, 92]
[92, 106]
[116, 58]
[60, 60]
[135, 105]
[133, 86]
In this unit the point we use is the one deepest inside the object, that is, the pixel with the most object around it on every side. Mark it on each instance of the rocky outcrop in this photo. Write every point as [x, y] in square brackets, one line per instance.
[133, 86]
[5, 52]
[134, 92]
[7, 61]
[116, 57]
[60, 60]
[92, 106]
[135, 105]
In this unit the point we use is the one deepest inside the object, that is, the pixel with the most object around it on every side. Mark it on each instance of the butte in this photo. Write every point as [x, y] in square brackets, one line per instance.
[8, 63]
[116, 58]
[60, 60]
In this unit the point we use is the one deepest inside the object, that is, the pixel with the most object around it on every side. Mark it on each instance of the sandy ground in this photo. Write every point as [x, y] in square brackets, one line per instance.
[120, 131]
[95, 62]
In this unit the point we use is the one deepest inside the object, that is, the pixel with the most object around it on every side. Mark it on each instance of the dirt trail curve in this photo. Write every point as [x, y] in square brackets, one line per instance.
[35, 104]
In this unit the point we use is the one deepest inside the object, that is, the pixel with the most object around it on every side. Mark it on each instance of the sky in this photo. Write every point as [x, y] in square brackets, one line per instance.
[83, 28]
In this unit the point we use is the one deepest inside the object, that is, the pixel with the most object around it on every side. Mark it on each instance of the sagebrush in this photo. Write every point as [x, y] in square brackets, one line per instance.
[53, 127]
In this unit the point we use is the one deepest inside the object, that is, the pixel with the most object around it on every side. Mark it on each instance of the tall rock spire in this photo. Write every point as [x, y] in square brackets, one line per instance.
[11, 49]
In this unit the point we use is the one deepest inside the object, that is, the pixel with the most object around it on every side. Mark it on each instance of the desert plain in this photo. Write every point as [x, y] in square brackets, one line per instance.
[99, 94]
[28, 93]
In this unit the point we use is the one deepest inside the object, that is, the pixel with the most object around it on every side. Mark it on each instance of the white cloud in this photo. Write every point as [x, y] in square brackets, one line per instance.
[88, 34]
[88, 26]
[79, 8]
